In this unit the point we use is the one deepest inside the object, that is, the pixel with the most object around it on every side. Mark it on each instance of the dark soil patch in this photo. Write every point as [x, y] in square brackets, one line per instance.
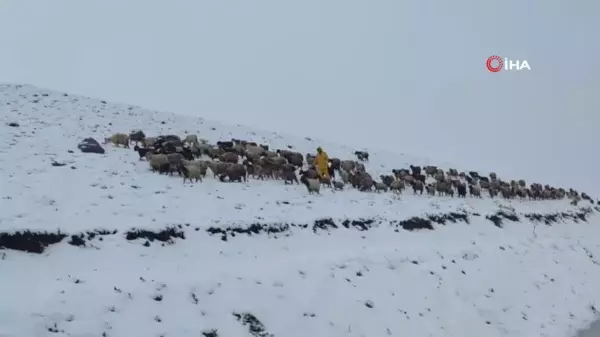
[28, 241]
[253, 229]
[360, 224]
[255, 327]
[166, 235]
[498, 218]
[552, 218]
[37, 242]
[79, 240]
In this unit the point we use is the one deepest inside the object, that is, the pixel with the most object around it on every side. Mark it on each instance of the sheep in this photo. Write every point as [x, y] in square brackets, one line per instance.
[157, 160]
[235, 172]
[190, 172]
[461, 189]
[345, 176]
[442, 188]
[118, 139]
[430, 170]
[430, 190]
[312, 185]
[379, 186]
[165, 168]
[338, 185]
[335, 163]
[296, 159]
[415, 169]
[362, 155]
[417, 186]
[200, 164]
[173, 140]
[191, 140]
[149, 141]
[420, 177]
[359, 167]
[289, 177]
[408, 179]
[254, 152]
[365, 181]
[218, 168]
[272, 154]
[475, 191]
[229, 157]
[311, 173]
[399, 173]
[227, 146]
[142, 152]
[137, 136]
[175, 159]
[386, 179]
[347, 165]
[325, 181]
[397, 186]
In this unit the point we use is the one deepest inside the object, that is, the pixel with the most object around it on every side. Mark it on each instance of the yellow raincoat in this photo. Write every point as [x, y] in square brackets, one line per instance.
[321, 163]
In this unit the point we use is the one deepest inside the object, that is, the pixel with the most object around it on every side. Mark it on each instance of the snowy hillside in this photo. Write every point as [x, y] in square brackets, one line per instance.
[128, 252]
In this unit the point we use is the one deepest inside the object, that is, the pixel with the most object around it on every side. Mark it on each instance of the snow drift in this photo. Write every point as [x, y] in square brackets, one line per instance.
[125, 252]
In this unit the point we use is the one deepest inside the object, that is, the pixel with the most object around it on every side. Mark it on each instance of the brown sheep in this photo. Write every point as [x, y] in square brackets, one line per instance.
[235, 172]
[229, 157]
[418, 186]
[397, 186]
[218, 168]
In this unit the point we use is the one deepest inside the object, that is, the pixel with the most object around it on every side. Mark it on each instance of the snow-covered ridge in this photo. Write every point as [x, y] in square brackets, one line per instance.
[518, 278]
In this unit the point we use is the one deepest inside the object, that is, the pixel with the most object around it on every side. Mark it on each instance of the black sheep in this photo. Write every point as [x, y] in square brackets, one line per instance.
[415, 169]
[187, 153]
[141, 151]
[362, 155]
[462, 190]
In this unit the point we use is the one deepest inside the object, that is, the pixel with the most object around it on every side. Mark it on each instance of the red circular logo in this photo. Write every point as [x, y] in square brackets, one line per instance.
[490, 63]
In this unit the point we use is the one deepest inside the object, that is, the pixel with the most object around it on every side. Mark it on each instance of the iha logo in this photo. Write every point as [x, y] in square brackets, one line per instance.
[495, 63]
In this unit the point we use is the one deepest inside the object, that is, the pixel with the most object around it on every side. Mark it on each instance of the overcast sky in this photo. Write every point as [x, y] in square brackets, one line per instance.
[408, 76]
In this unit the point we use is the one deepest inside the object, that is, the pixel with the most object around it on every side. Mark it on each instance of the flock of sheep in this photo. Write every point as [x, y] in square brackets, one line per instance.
[237, 159]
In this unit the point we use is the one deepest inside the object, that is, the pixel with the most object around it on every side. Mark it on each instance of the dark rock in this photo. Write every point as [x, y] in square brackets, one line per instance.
[13, 124]
[57, 164]
[90, 145]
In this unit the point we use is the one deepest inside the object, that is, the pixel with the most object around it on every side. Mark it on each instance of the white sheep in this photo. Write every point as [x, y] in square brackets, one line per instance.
[118, 139]
[190, 172]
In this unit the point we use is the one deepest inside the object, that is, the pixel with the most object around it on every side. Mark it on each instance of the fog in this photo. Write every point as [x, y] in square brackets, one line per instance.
[406, 76]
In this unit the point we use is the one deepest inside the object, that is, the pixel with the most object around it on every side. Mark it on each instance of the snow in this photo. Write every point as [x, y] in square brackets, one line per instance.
[476, 279]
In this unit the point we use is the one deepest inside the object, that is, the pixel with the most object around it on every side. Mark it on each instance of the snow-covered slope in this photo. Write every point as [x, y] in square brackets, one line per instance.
[321, 275]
